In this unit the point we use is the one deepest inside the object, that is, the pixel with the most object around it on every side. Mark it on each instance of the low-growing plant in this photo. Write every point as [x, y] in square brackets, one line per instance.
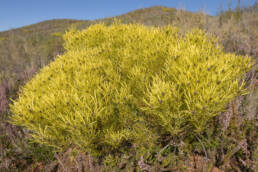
[3, 96]
[128, 86]
[2, 38]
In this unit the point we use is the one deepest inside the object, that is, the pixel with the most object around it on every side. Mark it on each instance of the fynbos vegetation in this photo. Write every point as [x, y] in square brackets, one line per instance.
[131, 97]
[130, 86]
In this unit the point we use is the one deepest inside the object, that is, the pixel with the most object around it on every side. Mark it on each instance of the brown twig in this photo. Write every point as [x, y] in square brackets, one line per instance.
[60, 162]
[231, 153]
[143, 166]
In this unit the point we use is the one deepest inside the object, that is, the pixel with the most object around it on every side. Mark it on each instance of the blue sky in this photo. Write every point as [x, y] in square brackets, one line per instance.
[17, 13]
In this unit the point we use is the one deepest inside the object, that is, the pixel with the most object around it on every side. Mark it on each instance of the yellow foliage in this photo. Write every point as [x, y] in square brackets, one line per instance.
[57, 34]
[165, 9]
[128, 84]
[2, 38]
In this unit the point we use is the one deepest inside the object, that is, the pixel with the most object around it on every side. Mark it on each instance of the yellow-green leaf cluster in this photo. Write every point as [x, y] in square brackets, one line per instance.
[128, 84]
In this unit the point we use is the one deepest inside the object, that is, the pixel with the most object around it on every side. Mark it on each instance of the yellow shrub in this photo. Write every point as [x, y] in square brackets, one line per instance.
[128, 84]
[57, 34]
[2, 38]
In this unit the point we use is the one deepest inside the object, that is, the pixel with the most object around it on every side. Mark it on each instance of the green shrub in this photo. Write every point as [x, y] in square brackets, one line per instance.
[127, 85]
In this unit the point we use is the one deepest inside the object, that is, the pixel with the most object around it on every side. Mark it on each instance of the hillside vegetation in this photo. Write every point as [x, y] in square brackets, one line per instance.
[232, 145]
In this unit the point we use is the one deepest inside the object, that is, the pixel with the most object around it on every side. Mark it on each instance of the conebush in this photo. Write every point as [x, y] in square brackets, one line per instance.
[126, 85]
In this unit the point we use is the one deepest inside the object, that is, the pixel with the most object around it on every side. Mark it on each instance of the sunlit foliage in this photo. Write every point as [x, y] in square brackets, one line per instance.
[126, 85]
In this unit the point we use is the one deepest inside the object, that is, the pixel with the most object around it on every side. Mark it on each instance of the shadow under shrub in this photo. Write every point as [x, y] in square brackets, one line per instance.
[127, 86]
